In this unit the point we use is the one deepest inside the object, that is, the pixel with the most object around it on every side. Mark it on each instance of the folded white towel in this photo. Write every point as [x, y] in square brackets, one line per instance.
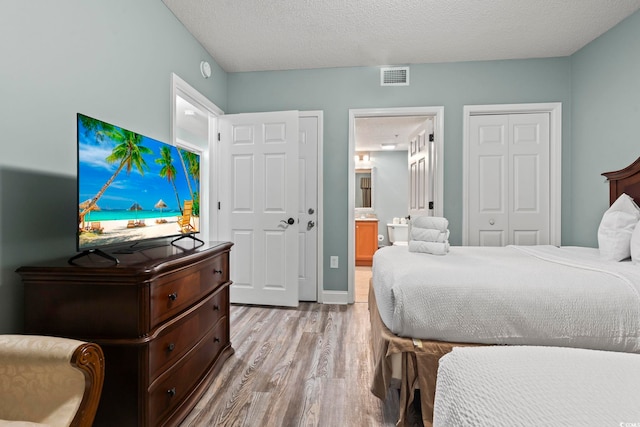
[429, 234]
[434, 248]
[435, 222]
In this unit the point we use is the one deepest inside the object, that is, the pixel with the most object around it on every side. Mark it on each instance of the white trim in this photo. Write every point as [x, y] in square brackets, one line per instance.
[555, 159]
[210, 157]
[438, 114]
[319, 209]
[335, 297]
[181, 88]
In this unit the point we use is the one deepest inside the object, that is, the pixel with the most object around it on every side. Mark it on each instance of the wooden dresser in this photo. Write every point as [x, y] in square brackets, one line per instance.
[366, 241]
[161, 317]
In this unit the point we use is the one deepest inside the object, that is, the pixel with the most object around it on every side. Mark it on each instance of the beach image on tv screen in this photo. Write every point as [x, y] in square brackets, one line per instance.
[133, 188]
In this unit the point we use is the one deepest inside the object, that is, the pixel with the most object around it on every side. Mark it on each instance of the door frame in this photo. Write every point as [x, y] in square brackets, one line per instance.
[209, 156]
[211, 159]
[555, 159]
[319, 114]
[437, 112]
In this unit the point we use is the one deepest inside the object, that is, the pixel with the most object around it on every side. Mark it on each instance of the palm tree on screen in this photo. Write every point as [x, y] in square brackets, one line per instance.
[128, 153]
[169, 171]
[191, 166]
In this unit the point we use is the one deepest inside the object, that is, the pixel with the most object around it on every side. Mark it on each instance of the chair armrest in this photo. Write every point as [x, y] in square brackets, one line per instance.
[89, 359]
[51, 380]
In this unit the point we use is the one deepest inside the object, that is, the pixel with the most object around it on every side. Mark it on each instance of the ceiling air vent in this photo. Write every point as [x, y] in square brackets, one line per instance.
[394, 76]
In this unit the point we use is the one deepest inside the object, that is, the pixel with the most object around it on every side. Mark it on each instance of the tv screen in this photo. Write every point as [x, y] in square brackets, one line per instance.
[133, 188]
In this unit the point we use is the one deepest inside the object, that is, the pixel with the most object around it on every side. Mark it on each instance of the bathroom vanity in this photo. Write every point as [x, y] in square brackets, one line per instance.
[366, 240]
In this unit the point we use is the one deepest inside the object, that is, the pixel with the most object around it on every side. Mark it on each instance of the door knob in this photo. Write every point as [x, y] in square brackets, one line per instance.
[310, 225]
[492, 221]
[290, 221]
[311, 211]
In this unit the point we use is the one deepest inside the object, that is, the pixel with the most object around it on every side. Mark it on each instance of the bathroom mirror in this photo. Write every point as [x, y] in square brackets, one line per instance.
[364, 180]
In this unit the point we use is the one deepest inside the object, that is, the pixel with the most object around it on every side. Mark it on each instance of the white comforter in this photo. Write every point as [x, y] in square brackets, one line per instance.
[534, 295]
[537, 386]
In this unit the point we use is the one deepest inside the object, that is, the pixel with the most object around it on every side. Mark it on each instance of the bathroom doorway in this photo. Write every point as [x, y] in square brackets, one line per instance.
[380, 138]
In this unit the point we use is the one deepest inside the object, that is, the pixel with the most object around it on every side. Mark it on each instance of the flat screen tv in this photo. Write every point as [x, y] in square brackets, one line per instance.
[132, 188]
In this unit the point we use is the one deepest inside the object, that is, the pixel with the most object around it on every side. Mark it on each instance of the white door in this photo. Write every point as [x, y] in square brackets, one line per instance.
[508, 180]
[259, 205]
[308, 208]
[421, 170]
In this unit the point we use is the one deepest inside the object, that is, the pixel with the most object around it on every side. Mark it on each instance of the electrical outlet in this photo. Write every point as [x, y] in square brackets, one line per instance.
[334, 262]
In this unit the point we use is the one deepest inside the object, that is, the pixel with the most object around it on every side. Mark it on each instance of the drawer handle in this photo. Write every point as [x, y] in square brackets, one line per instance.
[216, 339]
[217, 271]
[173, 296]
[216, 307]
[171, 392]
[170, 347]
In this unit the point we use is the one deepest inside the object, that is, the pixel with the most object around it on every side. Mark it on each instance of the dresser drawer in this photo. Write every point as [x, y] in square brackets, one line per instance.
[218, 272]
[174, 341]
[168, 391]
[172, 294]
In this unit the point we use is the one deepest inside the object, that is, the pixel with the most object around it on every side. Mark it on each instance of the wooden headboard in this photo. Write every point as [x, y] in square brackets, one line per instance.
[625, 180]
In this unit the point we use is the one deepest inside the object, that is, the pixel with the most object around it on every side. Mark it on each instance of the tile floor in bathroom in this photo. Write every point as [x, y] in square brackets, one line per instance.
[362, 276]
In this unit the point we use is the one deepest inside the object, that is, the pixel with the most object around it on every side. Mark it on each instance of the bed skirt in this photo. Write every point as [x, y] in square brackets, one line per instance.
[419, 360]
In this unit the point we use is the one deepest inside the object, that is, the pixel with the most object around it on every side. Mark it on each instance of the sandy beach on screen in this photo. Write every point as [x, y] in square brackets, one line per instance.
[117, 230]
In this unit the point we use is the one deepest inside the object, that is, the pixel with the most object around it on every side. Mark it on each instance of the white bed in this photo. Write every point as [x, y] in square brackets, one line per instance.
[535, 295]
[423, 306]
[537, 386]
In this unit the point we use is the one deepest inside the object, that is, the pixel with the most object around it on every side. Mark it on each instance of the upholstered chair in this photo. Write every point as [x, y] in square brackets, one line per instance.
[49, 381]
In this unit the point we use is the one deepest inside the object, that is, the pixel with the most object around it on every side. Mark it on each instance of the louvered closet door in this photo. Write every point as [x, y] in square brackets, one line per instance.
[508, 180]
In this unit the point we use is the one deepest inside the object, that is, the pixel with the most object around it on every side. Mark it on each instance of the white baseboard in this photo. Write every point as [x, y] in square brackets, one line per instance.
[335, 297]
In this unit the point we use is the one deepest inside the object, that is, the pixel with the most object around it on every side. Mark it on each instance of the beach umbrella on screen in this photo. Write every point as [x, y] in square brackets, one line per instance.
[135, 207]
[160, 205]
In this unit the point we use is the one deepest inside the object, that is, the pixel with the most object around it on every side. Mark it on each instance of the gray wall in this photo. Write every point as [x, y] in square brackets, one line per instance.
[392, 188]
[108, 59]
[605, 123]
[453, 85]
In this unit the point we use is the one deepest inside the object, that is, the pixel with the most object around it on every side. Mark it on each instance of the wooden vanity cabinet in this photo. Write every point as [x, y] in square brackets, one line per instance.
[366, 241]
[161, 317]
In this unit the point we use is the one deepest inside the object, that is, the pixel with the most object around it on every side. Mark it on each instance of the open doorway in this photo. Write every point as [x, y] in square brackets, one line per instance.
[372, 132]
[193, 126]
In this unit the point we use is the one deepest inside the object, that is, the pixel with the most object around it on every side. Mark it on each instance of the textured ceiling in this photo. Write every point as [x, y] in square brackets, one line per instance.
[262, 35]
[258, 35]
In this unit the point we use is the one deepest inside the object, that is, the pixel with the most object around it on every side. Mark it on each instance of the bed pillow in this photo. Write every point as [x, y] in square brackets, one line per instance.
[635, 244]
[616, 229]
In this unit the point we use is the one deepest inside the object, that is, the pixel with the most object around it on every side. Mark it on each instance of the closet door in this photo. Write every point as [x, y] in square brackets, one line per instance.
[488, 180]
[529, 206]
[508, 180]
[422, 170]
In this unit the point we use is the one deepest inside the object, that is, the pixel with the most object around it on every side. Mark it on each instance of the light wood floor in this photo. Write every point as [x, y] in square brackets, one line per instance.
[361, 279]
[309, 366]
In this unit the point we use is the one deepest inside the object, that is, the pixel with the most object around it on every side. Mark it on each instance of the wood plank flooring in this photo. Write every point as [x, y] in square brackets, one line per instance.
[310, 366]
